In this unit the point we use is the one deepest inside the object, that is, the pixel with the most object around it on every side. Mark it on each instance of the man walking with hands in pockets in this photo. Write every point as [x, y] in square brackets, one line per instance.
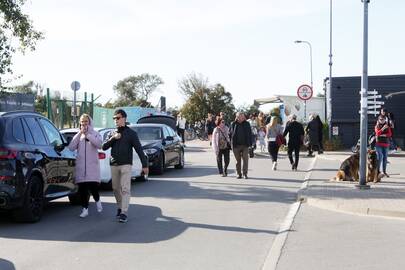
[121, 142]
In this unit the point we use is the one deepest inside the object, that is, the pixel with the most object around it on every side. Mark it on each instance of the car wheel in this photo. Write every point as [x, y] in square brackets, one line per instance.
[106, 186]
[31, 211]
[181, 161]
[142, 178]
[74, 199]
[160, 167]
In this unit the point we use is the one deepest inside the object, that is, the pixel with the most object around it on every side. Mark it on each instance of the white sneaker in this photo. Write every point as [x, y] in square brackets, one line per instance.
[99, 206]
[274, 165]
[85, 213]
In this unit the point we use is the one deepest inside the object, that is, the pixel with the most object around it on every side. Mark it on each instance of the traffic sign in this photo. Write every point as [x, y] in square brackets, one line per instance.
[375, 102]
[305, 92]
[374, 107]
[75, 85]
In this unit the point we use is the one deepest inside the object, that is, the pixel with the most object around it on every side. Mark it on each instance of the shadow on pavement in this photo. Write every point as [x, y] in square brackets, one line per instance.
[178, 190]
[187, 171]
[146, 224]
[6, 265]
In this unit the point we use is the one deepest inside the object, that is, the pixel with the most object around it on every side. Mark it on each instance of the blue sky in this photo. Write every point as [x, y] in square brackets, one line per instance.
[247, 46]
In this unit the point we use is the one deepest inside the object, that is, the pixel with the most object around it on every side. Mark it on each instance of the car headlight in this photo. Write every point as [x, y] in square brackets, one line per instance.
[150, 151]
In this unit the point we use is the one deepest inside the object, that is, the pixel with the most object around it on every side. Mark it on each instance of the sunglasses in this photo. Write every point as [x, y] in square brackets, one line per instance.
[117, 117]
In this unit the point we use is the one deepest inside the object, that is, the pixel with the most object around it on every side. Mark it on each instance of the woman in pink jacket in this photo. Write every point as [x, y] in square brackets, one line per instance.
[87, 142]
[221, 145]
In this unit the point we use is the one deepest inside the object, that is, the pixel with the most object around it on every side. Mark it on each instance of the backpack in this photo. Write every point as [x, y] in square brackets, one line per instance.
[222, 142]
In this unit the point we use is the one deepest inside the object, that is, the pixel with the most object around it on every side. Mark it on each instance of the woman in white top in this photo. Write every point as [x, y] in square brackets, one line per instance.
[272, 130]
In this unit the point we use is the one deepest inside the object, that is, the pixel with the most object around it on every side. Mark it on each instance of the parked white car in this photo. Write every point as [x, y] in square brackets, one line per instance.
[104, 157]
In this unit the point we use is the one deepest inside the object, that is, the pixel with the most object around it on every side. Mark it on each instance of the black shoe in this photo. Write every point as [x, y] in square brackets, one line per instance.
[118, 213]
[123, 218]
[245, 176]
[224, 174]
[239, 176]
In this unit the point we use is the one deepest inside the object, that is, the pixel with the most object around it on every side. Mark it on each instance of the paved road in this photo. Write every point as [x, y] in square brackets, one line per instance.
[328, 240]
[185, 219]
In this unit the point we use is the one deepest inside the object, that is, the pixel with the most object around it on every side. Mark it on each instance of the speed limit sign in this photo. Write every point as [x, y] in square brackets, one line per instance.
[304, 92]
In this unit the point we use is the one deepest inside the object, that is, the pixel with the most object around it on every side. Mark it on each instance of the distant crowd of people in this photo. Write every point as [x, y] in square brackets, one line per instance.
[242, 135]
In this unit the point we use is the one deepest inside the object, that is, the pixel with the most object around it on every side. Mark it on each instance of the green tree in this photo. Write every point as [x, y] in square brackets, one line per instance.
[248, 109]
[16, 32]
[135, 90]
[202, 99]
[192, 83]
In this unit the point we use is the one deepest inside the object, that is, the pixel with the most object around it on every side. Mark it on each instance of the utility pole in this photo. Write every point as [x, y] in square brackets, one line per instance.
[363, 104]
[329, 89]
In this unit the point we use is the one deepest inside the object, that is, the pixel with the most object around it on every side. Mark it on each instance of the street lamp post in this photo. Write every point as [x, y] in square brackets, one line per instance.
[328, 95]
[312, 85]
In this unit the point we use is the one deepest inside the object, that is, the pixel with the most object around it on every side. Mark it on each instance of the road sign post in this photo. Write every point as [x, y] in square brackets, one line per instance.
[75, 86]
[305, 93]
[363, 104]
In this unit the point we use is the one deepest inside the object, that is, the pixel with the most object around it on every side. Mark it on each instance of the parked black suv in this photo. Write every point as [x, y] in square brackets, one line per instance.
[35, 164]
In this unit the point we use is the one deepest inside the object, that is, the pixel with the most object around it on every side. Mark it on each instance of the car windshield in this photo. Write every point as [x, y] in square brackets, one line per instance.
[148, 133]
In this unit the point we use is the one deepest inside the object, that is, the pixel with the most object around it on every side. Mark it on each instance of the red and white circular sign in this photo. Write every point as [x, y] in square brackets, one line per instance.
[304, 92]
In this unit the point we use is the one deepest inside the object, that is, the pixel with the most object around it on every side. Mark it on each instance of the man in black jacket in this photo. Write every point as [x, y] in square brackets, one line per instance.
[121, 142]
[241, 138]
[295, 132]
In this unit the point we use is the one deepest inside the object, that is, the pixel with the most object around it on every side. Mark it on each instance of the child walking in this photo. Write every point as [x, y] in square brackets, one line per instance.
[262, 136]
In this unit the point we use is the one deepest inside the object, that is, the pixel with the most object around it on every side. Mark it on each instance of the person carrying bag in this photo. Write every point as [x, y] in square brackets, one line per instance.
[221, 146]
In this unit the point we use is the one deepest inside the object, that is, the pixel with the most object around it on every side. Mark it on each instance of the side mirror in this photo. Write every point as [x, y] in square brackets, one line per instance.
[169, 138]
[59, 147]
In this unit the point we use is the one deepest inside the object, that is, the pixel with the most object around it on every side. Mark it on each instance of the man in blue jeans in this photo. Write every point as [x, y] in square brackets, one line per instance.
[121, 143]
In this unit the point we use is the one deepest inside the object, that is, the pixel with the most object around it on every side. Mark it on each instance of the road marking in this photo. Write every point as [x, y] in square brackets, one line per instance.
[274, 254]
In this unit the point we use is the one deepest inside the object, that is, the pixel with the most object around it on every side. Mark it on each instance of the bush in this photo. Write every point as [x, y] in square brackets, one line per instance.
[333, 145]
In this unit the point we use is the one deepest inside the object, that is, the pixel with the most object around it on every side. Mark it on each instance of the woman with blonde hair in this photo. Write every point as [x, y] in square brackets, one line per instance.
[273, 129]
[87, 171]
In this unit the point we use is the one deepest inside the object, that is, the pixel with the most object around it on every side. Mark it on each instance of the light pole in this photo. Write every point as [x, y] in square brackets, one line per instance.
[310, 57]
[328, 95]
[312, 85]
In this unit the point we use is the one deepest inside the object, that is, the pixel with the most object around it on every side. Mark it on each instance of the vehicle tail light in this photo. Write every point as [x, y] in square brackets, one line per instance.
[101, 155]
[5, 177]
[7, 153]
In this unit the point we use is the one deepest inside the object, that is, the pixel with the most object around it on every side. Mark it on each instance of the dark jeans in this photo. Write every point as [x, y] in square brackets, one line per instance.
[296, 149]
[84, 189]
[180, 131]
[312, 148]
[273, 150]
[225, 154]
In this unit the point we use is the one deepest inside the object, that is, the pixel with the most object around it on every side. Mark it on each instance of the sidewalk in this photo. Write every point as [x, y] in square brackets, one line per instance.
[386, 198]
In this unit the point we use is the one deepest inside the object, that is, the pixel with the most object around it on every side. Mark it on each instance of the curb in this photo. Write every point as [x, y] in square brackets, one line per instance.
[364, 211]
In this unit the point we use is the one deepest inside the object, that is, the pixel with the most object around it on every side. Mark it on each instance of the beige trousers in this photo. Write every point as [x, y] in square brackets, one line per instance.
[121, 184]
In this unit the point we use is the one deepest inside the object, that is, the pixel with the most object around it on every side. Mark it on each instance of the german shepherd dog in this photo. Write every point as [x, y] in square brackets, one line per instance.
[349, 170]
[372, 167]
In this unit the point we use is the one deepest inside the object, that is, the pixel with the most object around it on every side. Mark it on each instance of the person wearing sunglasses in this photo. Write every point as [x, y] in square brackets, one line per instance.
[121, 142]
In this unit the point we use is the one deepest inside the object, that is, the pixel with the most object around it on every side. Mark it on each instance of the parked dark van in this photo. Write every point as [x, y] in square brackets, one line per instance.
[35, 165]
